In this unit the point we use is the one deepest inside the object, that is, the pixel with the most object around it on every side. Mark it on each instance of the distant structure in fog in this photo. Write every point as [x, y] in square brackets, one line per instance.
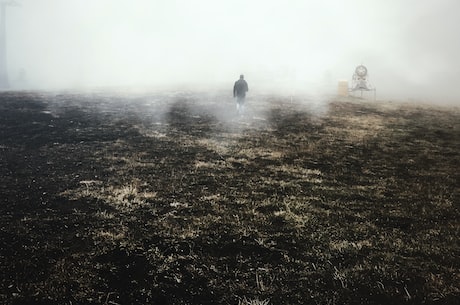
[4, 83]
[360, 81]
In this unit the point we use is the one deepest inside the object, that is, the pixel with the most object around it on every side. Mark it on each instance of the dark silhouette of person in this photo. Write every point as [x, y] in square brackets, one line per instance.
[239, 91]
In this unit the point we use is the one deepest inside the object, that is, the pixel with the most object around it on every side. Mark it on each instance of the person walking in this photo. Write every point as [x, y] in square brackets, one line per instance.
[239, 92]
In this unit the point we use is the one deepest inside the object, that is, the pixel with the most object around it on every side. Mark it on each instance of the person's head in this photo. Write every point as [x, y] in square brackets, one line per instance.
[241, 76]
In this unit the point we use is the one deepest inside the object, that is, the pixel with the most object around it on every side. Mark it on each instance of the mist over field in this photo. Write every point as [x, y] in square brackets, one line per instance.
[130, 174]
[409, 47]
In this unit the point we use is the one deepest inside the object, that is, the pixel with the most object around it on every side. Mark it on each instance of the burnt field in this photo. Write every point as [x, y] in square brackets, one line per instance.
[174, 199]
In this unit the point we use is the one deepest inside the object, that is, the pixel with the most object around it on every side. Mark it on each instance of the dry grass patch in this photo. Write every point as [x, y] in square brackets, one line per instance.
[260, 152]
[240, 160]
[220, 147]
[345, 245]
[109, 235]
[213, 197]
[214, 164]
[295, 211]
[255, 301]
[132, 161]
[104, 215]
[356, 129]
[149, 132]
[306, 174]
[128, 196]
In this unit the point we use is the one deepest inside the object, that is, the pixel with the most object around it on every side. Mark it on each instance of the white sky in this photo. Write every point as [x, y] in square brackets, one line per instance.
[410, 47]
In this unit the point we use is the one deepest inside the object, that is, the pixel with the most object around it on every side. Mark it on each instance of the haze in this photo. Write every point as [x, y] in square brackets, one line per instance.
[411, 48]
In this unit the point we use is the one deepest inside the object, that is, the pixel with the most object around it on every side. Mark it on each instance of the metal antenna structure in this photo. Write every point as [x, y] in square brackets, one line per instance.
[4, 83]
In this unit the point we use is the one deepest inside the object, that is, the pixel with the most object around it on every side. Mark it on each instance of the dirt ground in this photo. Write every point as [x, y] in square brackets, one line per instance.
[172, 198]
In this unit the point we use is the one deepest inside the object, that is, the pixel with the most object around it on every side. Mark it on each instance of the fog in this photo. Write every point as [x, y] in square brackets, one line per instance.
[411, 48]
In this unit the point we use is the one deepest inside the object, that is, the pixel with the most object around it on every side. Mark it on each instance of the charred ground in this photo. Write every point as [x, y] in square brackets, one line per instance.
[172, 199]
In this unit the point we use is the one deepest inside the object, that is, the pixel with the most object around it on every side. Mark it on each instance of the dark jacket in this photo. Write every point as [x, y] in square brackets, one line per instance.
[240, 88]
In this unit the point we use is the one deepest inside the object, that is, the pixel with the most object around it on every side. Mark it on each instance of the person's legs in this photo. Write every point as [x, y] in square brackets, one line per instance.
[240, 104]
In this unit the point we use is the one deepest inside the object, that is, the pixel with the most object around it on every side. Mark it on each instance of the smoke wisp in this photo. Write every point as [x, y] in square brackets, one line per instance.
[409, 46]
